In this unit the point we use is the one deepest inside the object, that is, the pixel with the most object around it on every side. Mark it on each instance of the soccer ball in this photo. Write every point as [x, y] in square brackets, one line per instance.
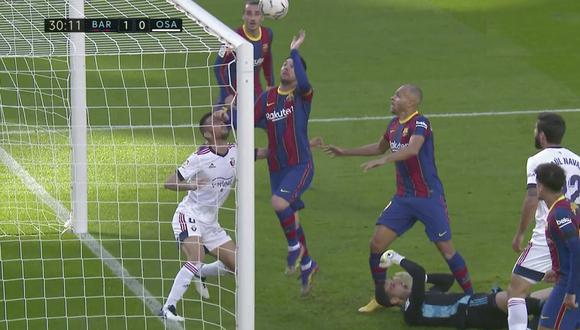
[275, 9]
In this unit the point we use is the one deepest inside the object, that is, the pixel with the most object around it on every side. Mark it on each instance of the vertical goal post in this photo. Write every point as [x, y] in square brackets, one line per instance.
[90, 123]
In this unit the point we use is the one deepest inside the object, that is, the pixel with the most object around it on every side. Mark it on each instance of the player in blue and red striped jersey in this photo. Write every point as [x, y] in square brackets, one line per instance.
[261, 38]
[562, 231]
[419, 195]
[284, 112]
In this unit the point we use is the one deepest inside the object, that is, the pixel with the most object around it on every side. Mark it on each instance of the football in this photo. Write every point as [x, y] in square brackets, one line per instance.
[275, 9]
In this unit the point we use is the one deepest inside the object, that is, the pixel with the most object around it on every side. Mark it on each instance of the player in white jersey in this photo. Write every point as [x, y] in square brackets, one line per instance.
[535, 260]
[208, 176]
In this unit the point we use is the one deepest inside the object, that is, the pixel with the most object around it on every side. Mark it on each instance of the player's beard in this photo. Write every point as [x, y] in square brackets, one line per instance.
[537, 143]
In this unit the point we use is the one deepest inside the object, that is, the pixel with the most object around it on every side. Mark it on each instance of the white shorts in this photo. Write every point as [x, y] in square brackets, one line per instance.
[185, 225]
[533, 263]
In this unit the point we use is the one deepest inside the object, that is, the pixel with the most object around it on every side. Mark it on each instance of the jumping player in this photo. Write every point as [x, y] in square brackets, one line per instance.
[284, 112]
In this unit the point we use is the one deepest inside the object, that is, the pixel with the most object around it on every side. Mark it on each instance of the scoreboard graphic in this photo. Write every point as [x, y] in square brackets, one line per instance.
[120, 25]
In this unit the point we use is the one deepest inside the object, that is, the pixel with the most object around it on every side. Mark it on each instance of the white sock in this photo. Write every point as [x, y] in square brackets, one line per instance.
[216, 268]
[182, 281]
[517, 314]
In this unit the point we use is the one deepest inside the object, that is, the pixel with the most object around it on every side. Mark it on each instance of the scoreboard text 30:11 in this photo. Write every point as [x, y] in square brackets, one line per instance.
[122, 25]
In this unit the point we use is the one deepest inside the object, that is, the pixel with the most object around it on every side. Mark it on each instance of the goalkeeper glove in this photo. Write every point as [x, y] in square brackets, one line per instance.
[389, 258]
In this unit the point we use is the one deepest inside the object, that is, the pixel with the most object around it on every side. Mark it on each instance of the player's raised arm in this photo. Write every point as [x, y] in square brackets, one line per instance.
[373, 149]
[268, 64]
[222, 72]
[299, 68]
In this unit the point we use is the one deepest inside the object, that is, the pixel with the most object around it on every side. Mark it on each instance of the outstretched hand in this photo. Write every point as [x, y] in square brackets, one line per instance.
[332, 151]
[316, 142]
[372, 164]
[297, 41]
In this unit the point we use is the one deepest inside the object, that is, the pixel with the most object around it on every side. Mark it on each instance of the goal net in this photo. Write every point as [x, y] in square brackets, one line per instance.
[86, 240]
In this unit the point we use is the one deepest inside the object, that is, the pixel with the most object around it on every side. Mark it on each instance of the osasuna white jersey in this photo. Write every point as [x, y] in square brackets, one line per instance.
[219, 174]
[570, 162]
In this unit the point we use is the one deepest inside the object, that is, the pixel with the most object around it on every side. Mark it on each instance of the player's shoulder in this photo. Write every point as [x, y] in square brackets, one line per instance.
[422, 121]
[203, 150]
[542, 156]
[267, 30]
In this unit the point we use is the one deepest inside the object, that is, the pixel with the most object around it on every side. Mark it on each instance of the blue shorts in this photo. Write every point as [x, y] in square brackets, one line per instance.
[555, 315]
[291, 182]
[402, 213]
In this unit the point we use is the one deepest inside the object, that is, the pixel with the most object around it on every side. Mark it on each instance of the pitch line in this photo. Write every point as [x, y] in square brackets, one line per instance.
[445, 115]
[87, 239]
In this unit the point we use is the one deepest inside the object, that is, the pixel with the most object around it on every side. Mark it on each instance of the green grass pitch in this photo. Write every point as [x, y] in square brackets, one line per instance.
[468, 56]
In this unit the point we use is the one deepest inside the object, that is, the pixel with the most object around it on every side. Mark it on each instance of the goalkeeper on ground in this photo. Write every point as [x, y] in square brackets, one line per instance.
[437, 307]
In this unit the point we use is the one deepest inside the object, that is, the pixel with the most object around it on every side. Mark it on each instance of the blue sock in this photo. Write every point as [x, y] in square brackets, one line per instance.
[459, 269]
[379, 274]
[288, 223]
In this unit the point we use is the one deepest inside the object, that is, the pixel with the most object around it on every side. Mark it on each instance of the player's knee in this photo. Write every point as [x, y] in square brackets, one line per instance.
[377, 245]
[279, 203]
[517, 289]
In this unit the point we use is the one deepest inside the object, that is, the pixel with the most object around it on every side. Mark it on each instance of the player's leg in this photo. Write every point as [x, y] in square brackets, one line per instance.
[529, 269]
[555, 315]
[287, 188]
[483, 313]
[393, 222]
[186, 231]
[296, 206]
[221, 246]
[433, 213]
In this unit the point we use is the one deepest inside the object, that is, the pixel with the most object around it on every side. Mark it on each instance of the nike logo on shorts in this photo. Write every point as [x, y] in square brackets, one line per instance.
[443, 233]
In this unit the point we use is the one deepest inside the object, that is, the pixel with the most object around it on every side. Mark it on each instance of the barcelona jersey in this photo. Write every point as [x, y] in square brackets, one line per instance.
[285, 118]
[417, 175]
[226, 74]
[562, 227]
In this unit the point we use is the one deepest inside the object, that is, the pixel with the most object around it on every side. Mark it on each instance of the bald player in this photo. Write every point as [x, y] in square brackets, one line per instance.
[419, 196]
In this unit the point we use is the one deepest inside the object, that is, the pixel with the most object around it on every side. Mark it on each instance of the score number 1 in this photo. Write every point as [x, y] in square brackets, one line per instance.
[134, 25]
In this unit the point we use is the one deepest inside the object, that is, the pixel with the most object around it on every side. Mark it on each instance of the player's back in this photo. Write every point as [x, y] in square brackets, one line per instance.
[570, 162]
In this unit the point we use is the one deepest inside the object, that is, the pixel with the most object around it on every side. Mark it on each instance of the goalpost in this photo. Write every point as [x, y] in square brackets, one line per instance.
[91, 124]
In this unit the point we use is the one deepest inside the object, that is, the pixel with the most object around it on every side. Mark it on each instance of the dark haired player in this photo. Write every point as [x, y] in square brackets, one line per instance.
[284, 112]
[261, 38]
[562, 230]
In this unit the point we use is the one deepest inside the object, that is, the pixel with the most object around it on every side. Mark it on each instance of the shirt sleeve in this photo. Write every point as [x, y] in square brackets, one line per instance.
[259, 117]
[190, 167]
[414, 304]
[222, 71]
[301, 77]
[268, 63]
[442, 282]
[422, 127]
[260, 110]
[530, 172]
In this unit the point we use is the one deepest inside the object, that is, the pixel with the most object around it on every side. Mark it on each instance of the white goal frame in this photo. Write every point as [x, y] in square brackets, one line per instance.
[245, 290]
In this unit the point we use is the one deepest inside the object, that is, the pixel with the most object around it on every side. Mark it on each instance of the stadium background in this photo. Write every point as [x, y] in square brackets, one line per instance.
[491, 57]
